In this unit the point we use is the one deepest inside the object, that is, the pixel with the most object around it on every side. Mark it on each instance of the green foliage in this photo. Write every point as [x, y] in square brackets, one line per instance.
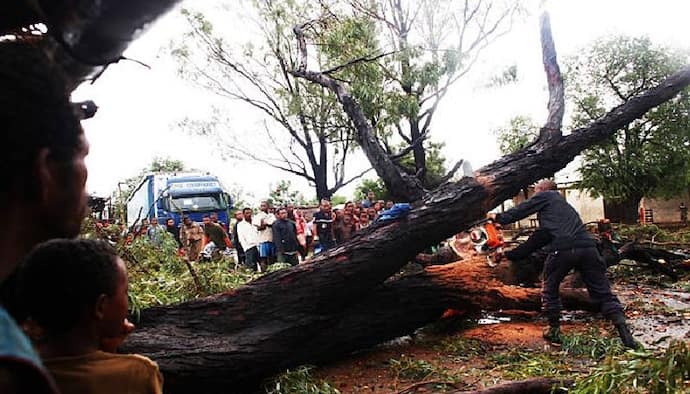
[634, 372]
[649, 157]
[435, 162]
[591, 343]
[507, 77]
[648, 232]
[520, 132]
[526, 363]
[281, 195]
[159, 276]
[165, 164]
[297, 114]
[409, 368]
[337, 199]
[375, 185]
[299, 381]
[429, 46]
[461, 348]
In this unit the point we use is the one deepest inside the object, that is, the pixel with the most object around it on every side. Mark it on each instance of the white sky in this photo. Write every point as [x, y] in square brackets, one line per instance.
[139, 108]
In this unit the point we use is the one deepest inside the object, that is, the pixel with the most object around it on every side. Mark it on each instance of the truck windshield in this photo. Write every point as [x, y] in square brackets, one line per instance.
[197, 203]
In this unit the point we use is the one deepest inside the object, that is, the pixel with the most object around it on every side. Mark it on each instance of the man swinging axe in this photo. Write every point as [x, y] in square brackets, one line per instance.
[571, 247]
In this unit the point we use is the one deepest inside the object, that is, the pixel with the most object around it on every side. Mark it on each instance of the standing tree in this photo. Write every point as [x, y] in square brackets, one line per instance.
[519, 133]
[648, 157]
[401, 58]
[281, 195]
[319, 137]
[375, 185]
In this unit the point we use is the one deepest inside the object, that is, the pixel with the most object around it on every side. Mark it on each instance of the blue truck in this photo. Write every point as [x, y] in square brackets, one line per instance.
[172, 195]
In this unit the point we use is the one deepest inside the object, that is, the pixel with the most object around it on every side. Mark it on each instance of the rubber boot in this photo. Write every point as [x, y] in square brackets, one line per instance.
[618, 321]
[553, 333]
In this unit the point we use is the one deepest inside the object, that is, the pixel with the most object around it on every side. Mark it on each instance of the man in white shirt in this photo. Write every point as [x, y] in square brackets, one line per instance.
[263, 222]
[248, 237]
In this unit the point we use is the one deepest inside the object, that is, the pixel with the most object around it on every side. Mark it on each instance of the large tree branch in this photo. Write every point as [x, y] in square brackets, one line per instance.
[452, 172]
[342, 184]
[556, 105]
[412, 145]
[362, 59]
[403, 186]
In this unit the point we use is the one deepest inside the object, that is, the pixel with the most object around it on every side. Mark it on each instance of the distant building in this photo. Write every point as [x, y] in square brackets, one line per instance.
[590, 209]
[665, 211]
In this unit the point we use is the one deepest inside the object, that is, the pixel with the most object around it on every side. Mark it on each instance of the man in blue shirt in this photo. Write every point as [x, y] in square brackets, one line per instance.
[370, 200]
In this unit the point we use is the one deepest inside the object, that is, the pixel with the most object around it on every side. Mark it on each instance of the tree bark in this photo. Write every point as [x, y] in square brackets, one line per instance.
[236, 339]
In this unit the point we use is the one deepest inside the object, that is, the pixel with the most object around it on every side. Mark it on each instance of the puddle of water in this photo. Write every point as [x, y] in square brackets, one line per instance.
[490, 319]
[656, 331]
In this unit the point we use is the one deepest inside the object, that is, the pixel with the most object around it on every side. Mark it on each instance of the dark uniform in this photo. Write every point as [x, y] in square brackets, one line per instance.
[285, 241]
[323, 221]
[570, 247]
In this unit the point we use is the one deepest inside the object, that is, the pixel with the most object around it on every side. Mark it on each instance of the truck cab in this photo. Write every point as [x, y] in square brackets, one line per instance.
[194, 196]
[171, 196]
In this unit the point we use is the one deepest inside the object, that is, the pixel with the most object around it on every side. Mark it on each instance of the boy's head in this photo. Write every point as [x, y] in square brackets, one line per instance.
[69, 283]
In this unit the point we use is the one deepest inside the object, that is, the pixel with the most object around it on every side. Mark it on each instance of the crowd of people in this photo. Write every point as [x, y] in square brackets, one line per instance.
[257, 237]
[267, 235]
[288, 235]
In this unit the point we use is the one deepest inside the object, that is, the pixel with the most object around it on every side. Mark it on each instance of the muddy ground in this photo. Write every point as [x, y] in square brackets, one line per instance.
[457, 354]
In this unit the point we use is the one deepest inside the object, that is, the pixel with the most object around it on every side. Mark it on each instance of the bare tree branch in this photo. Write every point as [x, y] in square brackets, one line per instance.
[452, 172]
[405, 187]
[556, 106]
[362, 59]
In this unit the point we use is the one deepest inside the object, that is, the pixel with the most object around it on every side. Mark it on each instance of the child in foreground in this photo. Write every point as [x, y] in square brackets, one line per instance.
[75, 295]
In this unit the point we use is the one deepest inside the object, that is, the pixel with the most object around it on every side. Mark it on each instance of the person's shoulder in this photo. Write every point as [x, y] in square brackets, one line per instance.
[14, 344]
[144, 370]
[552, 195]
[137, 360]
[546, 195]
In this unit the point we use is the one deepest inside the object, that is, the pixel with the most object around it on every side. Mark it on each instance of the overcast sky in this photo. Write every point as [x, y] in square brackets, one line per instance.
[139, 108]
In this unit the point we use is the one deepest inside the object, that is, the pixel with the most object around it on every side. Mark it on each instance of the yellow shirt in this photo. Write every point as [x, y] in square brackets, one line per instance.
[105, 373]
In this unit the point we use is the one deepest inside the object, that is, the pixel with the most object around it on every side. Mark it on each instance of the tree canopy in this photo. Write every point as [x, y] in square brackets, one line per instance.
[302, 132]
[402, 57]
[520, 131]
[650, 156]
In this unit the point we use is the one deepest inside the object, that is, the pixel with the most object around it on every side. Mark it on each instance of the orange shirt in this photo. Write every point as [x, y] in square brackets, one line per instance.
[105, 373]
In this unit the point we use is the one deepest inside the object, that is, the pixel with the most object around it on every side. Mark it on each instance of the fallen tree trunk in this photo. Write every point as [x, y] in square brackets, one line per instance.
[220, 342]
[342, 300]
